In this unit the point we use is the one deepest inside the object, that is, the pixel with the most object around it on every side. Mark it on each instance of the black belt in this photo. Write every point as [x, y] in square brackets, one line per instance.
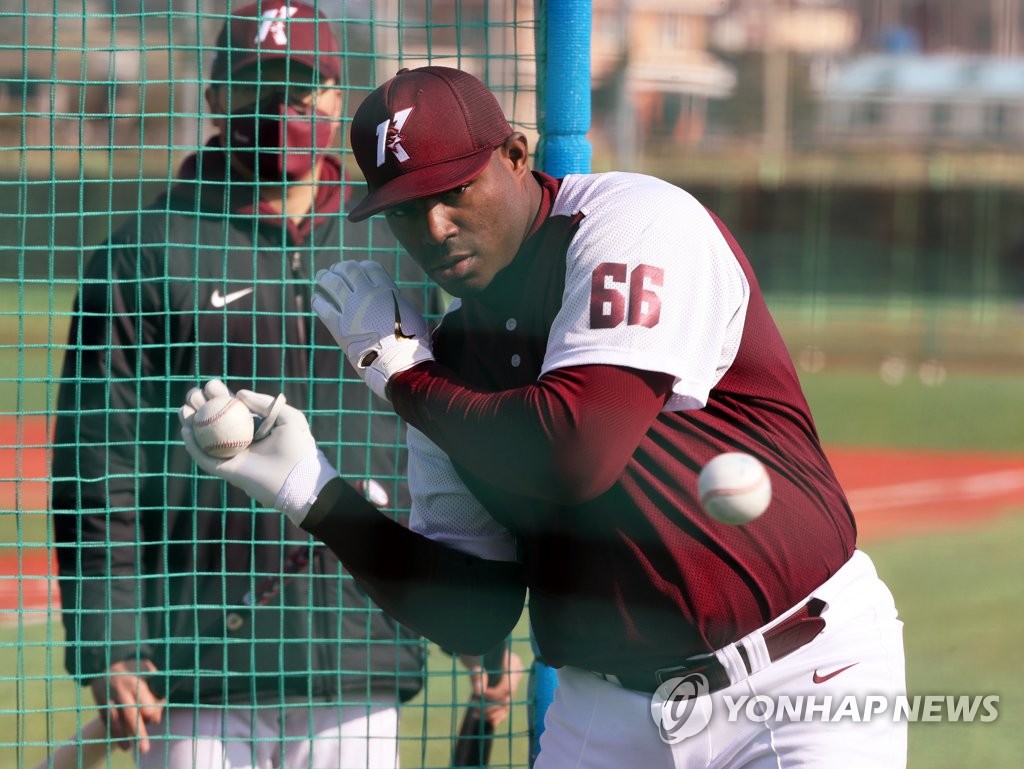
[797, 630]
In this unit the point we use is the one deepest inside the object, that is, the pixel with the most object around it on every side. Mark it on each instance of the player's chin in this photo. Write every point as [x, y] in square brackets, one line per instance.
[467, 284]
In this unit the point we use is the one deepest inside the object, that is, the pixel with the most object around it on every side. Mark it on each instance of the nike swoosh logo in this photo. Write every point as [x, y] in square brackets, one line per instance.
[221, 300]
[399, 332]
[820, 679]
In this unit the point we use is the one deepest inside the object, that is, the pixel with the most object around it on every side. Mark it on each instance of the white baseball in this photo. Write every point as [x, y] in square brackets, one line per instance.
[223, 427]
[734, 488]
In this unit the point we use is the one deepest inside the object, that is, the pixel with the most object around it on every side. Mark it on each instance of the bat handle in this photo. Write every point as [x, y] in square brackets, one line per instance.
[476, 735]
[473, 747]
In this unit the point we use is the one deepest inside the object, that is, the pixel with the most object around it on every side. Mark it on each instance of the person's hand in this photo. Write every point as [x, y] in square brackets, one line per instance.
[379, 331]
[498, 698]
[127, 703]
[285, 470]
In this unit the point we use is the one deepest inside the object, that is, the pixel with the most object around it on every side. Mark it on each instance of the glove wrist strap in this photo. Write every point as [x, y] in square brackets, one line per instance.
[302, 486]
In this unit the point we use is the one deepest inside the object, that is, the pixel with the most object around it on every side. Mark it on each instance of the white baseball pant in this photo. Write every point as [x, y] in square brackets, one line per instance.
[596, 724]
[294, 736]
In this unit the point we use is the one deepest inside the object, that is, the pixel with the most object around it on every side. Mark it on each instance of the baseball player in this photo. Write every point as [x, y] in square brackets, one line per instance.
[609, 338]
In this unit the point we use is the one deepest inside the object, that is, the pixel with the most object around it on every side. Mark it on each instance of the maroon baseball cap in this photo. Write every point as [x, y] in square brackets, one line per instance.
[423, 132]
[276, 29]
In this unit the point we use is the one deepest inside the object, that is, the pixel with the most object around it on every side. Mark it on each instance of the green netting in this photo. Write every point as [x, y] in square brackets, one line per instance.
[101, 104]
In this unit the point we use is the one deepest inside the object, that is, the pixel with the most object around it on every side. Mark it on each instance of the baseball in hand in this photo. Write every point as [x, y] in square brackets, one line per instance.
[223, 427]
[734, 488]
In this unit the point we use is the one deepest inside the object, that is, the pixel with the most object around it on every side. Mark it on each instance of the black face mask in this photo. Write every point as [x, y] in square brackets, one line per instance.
[276, 141]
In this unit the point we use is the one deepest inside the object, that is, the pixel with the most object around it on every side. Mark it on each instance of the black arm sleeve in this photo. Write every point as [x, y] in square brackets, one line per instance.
[463, 603]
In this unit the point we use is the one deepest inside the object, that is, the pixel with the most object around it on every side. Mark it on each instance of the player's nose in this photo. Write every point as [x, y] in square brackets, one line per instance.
[437, 224]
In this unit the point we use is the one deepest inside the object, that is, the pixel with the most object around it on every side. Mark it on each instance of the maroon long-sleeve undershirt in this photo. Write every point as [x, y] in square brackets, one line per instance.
[565, 439]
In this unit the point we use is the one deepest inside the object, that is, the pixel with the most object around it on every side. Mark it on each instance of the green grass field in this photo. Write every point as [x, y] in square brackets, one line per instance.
[980, 411]
[960, 596]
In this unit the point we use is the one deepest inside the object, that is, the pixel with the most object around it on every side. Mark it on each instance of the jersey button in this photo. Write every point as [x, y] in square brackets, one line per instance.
[516, 360]
[510, 324]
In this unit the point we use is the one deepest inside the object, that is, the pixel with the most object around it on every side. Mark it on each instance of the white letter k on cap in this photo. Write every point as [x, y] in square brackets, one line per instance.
[389, 137]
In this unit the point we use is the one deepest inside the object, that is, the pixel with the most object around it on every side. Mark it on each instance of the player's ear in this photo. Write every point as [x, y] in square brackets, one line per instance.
[517, 148]
[215, 102]
[212, 96]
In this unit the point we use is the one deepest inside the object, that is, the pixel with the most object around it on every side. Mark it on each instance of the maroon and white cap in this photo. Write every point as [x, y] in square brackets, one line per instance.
[423, 132]
[276, 29]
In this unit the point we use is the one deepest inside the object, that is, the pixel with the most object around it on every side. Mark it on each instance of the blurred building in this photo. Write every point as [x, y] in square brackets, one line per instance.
[940, 26]
[670, 77]
[781, 44]
[673, 74]
[799, 26]
[90, 79]
[653, 73]
[80, 81]
[926, 100]
[104, 77]
[927, 75]
[492, 40]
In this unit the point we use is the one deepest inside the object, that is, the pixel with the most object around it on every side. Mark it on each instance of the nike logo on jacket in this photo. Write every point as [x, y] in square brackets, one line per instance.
[221, 300]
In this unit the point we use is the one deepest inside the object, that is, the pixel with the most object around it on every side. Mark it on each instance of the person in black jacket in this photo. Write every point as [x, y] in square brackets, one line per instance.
[213, 280]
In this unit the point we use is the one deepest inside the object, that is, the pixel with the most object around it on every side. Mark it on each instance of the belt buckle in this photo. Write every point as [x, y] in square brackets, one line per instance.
[661, 675]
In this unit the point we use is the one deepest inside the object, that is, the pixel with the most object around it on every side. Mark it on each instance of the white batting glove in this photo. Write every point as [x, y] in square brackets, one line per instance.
[380, 332]
[285, 470]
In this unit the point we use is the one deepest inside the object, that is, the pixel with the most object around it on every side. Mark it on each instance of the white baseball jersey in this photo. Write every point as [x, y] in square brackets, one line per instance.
[444, 510]
[639, 234]
[629, 240]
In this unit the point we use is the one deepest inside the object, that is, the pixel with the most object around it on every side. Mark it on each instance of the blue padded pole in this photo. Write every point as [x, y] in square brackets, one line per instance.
[563, 104]
[564, 87]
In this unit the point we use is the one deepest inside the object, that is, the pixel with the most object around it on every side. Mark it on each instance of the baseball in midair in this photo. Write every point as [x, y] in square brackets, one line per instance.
[734, 488]
[223, 427]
